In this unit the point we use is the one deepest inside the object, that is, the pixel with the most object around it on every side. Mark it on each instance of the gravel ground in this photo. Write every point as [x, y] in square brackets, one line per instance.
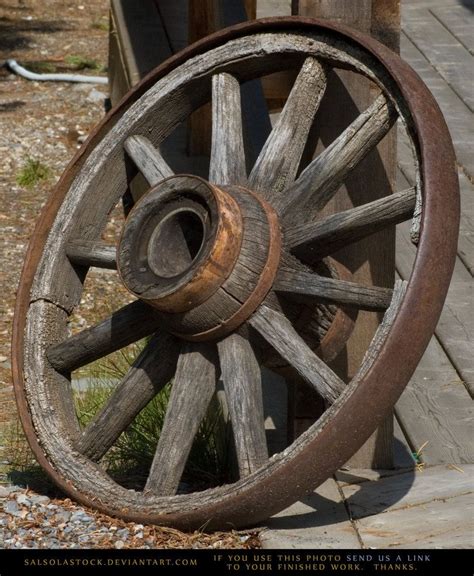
[32, 520]
[47, 122]
[44, 121]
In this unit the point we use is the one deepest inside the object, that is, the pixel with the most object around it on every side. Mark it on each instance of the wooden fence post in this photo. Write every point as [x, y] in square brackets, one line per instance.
[371, 261]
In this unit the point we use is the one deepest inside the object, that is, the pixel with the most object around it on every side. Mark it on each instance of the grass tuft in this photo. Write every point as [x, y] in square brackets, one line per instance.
[102, 24]
[210, 462]
[82, 62]
[32, 172]
[129, 461]
[41, 67]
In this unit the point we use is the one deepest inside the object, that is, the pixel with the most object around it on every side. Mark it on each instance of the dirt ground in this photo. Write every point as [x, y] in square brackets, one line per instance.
[44, 121]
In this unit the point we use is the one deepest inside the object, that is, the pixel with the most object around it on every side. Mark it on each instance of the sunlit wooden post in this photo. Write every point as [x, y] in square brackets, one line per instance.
[372, 260]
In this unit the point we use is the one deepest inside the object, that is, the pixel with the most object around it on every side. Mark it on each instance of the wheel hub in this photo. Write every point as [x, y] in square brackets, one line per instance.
[189, 249]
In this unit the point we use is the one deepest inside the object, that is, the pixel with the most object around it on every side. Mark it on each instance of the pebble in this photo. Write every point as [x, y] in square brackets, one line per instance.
[23, 500]
[4, 491]
[96, 96]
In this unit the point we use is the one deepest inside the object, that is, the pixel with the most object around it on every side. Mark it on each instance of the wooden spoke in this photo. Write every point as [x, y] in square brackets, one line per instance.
[314, 240]
[125, 326]
[147, 159]
[151, 371]
[332, 290]
[321, 179]
[278, 162]
[227, 164]
[192, 390]
[92, 253]
[243, 389]
[279, 332]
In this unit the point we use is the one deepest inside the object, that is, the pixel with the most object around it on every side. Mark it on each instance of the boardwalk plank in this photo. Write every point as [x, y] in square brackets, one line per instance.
[440, 47]
[438, 524]
[436, 408]
[466, 231]
[319, 521]
[412, 488]
[458, 21]
[455, 327]
[458, 116]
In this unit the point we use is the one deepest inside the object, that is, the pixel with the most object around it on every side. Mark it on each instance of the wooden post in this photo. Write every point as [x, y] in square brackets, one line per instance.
[371, 261]
[206, 17]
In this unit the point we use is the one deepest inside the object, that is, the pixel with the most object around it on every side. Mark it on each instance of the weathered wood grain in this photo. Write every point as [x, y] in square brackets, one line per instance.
[243, 389]
[319, 521]
[436, 411]
[150, 372]
[449, 525]
[278, 331]
[141, 39]
[458, 20]
[92, 253]
[104, 169]
[450, 58]
[147, 159]
[459, 118]
[332, 290]
[277, 164]
[193, 387]
[125, 326]
[407, 490]
[312, 241]
[321, 179]
[455, 328]
[227, 165]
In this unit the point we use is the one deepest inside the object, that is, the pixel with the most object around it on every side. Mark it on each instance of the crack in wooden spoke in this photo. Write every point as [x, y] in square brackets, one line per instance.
[332, 290]
[313, 241]
[192, 390]
[279, 332]
[227, 165]
[321, 179]
[150, 372]
[92, 253]
[147, 159]
[125, 326]
[278, 162]
[243, 389]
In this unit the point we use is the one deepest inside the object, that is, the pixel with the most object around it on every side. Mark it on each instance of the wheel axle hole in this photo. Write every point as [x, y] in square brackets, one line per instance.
[175, 243]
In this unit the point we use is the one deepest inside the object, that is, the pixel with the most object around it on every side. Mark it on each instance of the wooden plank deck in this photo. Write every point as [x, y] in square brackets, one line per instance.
[430, 508]
[436, 407]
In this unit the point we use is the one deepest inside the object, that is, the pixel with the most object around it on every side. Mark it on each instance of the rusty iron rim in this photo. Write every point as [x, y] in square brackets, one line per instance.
[371, 401]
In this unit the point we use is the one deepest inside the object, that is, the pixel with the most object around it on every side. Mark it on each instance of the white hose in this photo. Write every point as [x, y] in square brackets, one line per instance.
[15, 67]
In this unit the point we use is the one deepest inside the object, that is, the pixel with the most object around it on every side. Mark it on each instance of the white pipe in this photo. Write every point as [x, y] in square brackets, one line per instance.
[15, 67]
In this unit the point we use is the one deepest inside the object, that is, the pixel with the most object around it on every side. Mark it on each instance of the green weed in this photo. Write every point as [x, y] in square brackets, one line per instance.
[32, 172]
[82, 62]
[102, 24]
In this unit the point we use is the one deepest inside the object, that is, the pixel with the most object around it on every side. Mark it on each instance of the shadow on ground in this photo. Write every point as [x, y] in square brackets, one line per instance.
[14, 33]
[326, 512]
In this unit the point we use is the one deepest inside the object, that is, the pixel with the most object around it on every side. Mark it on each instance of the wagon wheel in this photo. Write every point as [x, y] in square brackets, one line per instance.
[214, 265]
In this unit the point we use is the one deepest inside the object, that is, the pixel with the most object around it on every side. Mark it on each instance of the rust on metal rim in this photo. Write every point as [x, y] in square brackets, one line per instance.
[263, 286]
[216, 266]
[351, 422]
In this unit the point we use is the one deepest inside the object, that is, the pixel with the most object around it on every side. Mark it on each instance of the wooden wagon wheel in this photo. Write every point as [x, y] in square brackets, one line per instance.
[212, 264]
